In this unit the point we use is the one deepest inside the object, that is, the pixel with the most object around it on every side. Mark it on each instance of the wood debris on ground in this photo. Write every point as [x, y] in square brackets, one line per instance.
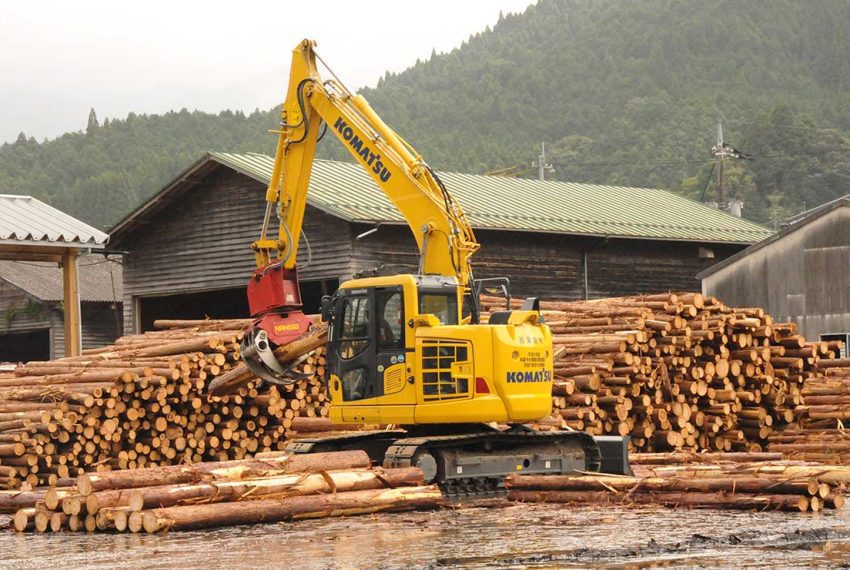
[739, 481]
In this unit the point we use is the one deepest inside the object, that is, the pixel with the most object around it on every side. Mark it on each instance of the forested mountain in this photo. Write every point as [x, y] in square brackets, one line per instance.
[622, 92]
[103, 173]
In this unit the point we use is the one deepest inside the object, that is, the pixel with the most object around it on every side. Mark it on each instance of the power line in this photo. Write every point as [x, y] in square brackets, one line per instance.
[779, 126]
[680, 161]
[643, 163]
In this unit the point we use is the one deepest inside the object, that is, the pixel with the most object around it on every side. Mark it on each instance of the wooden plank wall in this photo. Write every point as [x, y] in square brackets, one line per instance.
[99, 326]
[803, 276]
[202, 241]
[552, 266]
[98, 320]
[16, 301]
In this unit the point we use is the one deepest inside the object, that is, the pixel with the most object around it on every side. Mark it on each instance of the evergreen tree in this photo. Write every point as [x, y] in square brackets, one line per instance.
[92, 124]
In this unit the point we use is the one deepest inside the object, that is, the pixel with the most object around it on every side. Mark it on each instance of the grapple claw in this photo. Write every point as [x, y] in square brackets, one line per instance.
[258, 355]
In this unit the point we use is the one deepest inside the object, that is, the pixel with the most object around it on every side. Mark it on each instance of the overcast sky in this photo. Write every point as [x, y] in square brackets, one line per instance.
[58, 58]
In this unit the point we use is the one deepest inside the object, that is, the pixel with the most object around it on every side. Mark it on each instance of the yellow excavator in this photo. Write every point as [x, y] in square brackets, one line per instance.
[408, 350]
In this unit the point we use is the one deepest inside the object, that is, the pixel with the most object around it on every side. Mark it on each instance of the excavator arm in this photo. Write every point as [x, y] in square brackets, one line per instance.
[442, 232]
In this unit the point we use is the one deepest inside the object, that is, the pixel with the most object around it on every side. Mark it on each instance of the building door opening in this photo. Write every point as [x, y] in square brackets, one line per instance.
[23, 347]
[221, 304]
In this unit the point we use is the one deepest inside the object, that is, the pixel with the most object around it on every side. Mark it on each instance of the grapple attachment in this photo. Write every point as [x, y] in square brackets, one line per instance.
[274, 299]
[266, 334]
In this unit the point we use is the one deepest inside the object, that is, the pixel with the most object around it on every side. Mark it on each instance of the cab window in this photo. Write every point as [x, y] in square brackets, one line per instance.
[390, 305]
[354, 333]
[441, 305]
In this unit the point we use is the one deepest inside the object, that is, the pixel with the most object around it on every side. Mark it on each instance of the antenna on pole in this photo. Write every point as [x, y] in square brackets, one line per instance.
[719, 155]
[720, 152]
[541, 165]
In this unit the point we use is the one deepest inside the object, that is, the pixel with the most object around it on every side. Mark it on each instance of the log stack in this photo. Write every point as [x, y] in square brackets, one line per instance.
[144, 401]
[277, 487]
[675, 371]
[819, 433]
[742, 481]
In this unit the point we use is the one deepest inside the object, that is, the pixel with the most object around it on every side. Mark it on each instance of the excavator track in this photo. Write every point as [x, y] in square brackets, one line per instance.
[471, 465]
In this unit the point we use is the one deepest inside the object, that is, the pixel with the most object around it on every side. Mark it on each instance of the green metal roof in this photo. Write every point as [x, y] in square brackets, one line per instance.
[344, 190]
[494, 202]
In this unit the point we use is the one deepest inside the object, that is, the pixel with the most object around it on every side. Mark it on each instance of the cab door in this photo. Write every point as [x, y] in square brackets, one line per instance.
[391, 353]
[352, 349]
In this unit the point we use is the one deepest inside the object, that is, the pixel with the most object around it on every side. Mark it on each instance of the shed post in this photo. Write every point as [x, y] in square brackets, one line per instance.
[71, 299]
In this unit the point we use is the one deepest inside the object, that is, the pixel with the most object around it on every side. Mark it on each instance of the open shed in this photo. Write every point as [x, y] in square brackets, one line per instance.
[32, 231]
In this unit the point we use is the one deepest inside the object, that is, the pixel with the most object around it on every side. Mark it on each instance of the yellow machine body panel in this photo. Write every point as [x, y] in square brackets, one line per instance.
[438, 371]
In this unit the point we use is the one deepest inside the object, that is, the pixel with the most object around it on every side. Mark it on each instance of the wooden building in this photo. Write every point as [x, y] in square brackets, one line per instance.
[31, 308]
[188, 255]
[799, 274]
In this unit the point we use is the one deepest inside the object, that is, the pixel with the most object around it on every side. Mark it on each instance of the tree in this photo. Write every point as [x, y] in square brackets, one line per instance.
[92, 125]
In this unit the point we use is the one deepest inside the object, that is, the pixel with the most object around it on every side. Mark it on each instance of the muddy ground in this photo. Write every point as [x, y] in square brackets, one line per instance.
[519, 536]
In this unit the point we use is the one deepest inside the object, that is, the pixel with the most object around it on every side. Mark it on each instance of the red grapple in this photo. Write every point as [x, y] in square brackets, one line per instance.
[274, 299]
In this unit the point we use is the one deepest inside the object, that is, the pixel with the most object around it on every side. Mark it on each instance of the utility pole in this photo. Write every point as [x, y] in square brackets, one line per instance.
[721, 151]
[541, 165]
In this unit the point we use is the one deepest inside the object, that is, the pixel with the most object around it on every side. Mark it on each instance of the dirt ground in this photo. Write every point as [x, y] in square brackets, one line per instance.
[519, 536]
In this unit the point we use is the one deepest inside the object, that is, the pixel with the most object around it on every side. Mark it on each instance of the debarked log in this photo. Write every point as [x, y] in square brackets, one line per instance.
[293, 508]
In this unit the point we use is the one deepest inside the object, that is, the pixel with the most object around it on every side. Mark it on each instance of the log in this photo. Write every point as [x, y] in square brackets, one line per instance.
[12, 501]
[691, 457]
[287, 353]
[279, 487]
[113, 518]
[88, 483]
[676, 500]
[731, 485]
[292, 508]
[24, 519]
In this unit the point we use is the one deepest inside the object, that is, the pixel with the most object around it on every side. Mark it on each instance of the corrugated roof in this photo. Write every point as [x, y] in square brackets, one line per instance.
[100, 279]
[501, 203]
[27, 220]
[496, 202]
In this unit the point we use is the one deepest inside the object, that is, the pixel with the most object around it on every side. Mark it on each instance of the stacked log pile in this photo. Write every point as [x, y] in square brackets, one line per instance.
[745, 481]
[675, 371]
[144, 401]
[273, 487]
[819, 433]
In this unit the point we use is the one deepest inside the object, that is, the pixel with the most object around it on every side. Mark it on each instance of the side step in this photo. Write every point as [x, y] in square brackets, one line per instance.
[614, 450]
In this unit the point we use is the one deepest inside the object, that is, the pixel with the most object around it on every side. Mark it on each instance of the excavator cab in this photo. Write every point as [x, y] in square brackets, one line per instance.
[372, 343]
[399, 352]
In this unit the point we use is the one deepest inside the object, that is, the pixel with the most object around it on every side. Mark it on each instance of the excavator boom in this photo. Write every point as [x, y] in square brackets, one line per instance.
[442, 232]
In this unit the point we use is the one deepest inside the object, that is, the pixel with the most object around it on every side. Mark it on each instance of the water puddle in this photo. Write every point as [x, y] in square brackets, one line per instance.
[519, 536]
